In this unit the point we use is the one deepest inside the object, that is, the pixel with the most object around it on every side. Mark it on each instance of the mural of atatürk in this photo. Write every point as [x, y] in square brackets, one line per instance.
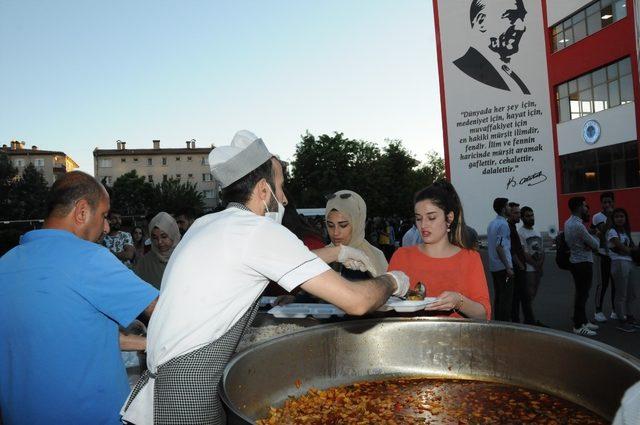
[498, 26]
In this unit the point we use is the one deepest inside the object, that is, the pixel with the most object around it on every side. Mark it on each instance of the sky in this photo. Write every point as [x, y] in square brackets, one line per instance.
[81, 74]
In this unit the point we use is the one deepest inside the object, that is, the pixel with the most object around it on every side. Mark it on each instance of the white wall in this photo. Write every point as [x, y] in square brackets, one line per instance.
[557, 10]
[617, 125]
[489, 154]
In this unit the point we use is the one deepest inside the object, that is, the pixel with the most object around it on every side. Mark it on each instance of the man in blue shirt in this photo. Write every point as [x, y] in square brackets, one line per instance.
[62, 297]
[500, 263]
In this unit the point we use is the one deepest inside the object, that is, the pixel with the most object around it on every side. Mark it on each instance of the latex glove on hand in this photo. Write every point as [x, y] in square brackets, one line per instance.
[402, 282]
[355, 259]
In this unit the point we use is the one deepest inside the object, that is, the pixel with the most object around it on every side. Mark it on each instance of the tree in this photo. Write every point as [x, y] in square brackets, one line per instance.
[8, 177]
[326, 164]
[432, 169]
[131, 194]
[395, 178]
[387, 179]
[29, 195]
[171, 196]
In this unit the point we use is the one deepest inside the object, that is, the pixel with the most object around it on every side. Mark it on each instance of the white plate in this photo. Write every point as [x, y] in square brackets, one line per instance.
[407, 306]
[300, 311]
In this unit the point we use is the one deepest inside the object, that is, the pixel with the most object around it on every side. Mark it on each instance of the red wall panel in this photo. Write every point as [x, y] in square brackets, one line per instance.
[610, 44]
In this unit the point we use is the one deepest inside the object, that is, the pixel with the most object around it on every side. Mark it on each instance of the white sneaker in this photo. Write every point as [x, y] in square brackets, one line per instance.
[584, 331]
[600, 317]
[591, 326]
[614, 316]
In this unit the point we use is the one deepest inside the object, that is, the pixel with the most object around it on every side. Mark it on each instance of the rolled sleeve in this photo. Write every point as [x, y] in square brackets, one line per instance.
[276, 253]
[113, 289]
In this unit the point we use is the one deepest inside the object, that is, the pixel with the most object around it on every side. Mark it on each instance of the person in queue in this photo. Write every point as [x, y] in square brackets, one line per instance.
[119, 242]
[582, 244]
[621, 247]
[165, 236]
[603, 261]
[449, 267]
[500, 261]
[214, 279]
[346, 216]
[138, 244]
[519, 262]
[533, 247]
[62, 297]
[185, 218]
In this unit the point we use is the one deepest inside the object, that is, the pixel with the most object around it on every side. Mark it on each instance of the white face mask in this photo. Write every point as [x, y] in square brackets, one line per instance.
[275, 216]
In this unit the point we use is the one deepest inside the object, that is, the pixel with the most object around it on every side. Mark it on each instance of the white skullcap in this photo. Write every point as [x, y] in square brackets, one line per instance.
[230, 163]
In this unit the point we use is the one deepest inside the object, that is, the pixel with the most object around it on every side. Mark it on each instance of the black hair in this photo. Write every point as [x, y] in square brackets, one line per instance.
[607, 195]
[69, 189]
[575, 203]
[627, 225]
[297, 224]
[514, 204]
[525, 210]
[240, 191]
[477, 6]
[444, 196]
[188, 212]
[499, 204]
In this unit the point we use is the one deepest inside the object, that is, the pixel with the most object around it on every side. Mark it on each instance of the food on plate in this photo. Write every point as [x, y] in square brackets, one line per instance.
[418, 293]
[414, 296]
[428, 401]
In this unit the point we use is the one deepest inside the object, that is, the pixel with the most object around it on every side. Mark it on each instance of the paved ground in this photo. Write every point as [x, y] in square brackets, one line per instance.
[554, 306]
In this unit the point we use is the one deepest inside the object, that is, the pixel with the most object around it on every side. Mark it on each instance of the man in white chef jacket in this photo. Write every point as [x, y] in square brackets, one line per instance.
[215, 277]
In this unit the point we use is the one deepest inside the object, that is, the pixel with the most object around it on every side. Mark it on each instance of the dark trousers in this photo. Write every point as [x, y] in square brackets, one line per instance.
[532, 280]
[605, 277]
[520, 297]
[502, 296]
[582, 275]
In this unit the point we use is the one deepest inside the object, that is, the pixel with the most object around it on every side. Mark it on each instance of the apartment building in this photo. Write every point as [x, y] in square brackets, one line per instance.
[52, 164]
[156, 164]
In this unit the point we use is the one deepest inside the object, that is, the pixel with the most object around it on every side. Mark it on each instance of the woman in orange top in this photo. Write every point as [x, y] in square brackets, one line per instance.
[450, 269]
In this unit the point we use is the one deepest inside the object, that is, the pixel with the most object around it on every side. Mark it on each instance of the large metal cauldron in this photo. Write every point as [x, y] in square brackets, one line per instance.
[586, 372]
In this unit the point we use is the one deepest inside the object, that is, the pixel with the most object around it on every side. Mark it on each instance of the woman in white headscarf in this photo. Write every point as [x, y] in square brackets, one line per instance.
[346, 215]
[165, 236]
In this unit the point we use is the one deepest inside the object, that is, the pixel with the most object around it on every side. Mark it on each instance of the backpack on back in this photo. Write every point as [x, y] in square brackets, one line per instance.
[562, 252]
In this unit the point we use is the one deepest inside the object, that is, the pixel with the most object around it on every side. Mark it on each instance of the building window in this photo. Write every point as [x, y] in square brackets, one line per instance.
[188, 158]
[207, 177]
[104, 163]
[609, 167]
[19, 162]
[190, 175]
[178, 176]
[164, 160]
[209, 194]
[149, 161]
[601, 89]
[38, 162]
[164, 178]
[205, 160]
[123, 159]
[177, 158]
[587, 21]
[135, 159]
[150, 178]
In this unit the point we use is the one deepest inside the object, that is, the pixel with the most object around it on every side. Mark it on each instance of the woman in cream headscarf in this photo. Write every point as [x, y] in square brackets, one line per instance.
[165, 236]
[346, 215]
